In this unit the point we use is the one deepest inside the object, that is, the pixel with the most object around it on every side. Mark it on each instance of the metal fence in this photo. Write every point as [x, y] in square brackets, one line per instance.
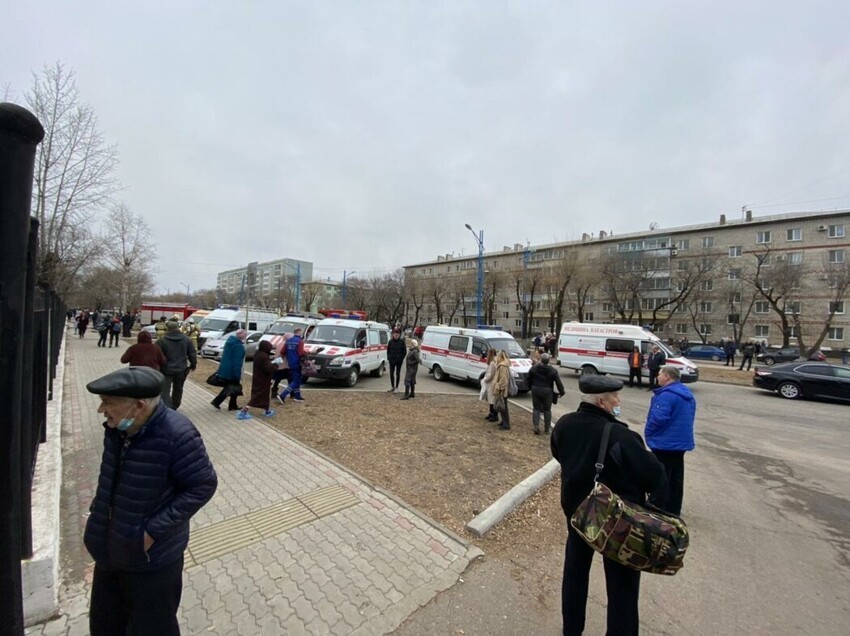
[32, 319]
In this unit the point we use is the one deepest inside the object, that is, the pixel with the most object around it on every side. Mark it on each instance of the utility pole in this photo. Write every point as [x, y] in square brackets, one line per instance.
[479, 300]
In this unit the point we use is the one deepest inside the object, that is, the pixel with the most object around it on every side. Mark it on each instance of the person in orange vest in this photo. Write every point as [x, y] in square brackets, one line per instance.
[635, 364]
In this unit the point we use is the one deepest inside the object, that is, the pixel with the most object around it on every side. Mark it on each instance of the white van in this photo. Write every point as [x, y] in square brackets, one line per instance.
[462, 353]
[343, 349]
[604, 348]
[223, 320]
[288, 324]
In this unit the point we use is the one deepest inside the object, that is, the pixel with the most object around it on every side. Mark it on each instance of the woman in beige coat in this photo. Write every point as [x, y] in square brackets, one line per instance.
[500, 388]
[487, 385]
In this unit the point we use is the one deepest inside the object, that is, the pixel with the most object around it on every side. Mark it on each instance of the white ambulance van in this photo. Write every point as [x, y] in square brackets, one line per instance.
[603, 348]
[288, 324]
[462, 353]
[344, 348]
[224, 320]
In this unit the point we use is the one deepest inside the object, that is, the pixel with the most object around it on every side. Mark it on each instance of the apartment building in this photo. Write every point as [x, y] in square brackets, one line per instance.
[265, 282]
[749, 278]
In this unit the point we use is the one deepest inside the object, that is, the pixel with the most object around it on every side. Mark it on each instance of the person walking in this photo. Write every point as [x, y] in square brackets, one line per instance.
[501, 385]
[635, 367]
[144, 353]
[161, 328]
[155, 474]
[230, 370]
[127, 322]
[542, 377]
[102, 332]
[656, 360]
[747, 356]
[630, 470]
[181, 359]
[82, 323]
[114, 330]
[396, 354]
[294, 355]
[261, 381]
[411, 369]
[487, 385]
[669, 434]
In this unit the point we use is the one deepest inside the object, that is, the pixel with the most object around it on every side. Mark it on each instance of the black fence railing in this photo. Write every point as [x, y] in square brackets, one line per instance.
[32, 321]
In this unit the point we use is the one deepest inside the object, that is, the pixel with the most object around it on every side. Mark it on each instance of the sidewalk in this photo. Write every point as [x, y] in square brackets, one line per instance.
[291, 543]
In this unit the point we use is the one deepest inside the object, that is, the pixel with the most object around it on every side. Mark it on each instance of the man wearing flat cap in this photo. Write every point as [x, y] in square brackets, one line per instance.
[154, 475]
[630, 470]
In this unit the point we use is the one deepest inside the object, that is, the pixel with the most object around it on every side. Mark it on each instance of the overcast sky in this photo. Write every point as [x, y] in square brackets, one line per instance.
[363, 135]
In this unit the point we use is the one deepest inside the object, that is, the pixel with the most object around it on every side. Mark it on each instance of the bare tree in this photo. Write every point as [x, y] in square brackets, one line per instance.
[309, 295]
[527, 281]
[437, 290]
[129, 250]
[415, 293]
[556, 281]
[494, 283]
[836, 277]
[687, 275]
[73, 175]
[777, 282]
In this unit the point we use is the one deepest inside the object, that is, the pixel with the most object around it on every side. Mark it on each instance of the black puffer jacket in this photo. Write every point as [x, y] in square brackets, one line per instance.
[542, 376]
[153, 481]
[630, 470]
[177, 349]
[396, 350]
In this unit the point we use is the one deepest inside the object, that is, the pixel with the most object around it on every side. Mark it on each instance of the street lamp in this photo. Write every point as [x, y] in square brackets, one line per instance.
[479, 238]
[344, 274]
[187, 292]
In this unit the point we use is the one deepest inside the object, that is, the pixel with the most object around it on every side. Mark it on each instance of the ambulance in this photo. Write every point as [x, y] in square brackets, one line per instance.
[461, 353]
[287, 324]
[224, 320]
[346, 347]
[604, 348]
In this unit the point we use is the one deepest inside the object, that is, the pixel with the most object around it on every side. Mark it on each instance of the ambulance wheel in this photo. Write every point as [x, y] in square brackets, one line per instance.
[589, 370]
[379, 372]
[353, 376]
[439, 374]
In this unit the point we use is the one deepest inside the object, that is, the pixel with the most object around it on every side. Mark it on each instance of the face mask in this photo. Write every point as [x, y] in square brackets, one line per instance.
[126, 422]
[615, 411]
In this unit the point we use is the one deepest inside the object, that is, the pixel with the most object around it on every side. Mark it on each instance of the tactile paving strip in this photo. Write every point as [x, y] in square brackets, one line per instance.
[229, 535]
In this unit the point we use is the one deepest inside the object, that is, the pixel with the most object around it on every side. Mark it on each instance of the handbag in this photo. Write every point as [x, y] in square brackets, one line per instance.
[643, 538]
[214, 380]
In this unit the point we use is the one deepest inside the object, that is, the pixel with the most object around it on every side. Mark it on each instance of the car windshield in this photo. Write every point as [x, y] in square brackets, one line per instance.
[509, 346]
[213, 324]
[280, 328]
[665, 349]
[333, 335]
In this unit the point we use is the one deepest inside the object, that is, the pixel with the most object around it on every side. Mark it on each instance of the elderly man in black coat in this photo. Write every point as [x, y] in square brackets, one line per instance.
[154, 475]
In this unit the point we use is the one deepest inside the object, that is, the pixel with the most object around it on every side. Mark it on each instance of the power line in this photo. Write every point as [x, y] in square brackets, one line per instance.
[776, 205]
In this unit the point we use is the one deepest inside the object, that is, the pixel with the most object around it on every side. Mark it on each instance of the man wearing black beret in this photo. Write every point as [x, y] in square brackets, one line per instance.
[154, 475]
[630, 471]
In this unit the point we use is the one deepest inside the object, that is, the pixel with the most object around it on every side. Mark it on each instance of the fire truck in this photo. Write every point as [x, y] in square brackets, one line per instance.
[149, 312]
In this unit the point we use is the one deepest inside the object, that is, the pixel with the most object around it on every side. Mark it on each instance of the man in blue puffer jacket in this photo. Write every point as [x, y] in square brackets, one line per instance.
[669, 434]
[154, 475]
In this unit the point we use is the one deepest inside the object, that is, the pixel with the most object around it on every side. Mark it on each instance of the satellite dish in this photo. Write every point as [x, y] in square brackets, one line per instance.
[654, 225]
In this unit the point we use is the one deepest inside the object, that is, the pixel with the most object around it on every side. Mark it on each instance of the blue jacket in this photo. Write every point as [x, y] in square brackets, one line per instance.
[293, 352]
[670, 423]
[153, 481]
[232, 359]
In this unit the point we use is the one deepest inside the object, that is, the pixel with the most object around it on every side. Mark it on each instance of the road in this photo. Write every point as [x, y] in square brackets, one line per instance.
[766, 498]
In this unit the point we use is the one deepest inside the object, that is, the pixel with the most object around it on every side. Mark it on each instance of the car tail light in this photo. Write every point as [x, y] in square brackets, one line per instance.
[763, 372]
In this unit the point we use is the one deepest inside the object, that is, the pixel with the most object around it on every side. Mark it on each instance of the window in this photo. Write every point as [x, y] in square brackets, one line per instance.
[736, 251]
[836, 307]
[836, 256]
[705, 307]
[619, 346]
[793, 307]
[794, 234]
[836, 231]
[479, 347]
[680, 286]
[607, 307]
[835, 333]
[384, 338]
[505, 315]
[794, 258]
[706, 285]
[733, 319]
[683, 244]
[708, 241]
[681, 328]
[765, 260]
[517, 323]
[762, 307]
[762, 331]
[763, 237]
[705, 330]
[735, 297]
[734, 274]
[588, 316]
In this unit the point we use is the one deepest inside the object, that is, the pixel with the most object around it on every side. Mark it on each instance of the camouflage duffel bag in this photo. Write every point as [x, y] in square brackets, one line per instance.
[642, 538]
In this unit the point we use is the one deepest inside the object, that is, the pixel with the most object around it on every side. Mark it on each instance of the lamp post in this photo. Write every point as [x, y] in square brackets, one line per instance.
[187, 292]
[344, 274]
[479, 238]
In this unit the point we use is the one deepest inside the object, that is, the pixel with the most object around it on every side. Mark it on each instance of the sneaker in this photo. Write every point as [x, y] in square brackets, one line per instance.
[298, 399]
[269, 413]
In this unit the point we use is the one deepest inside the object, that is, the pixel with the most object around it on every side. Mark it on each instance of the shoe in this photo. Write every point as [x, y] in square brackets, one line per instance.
[234, 408]
[395, 389]
[218, 406]
[412, 395]
[547, 430]
[537, 431]
[298, 399]
[392, 390]
[269, 413]
[243, 415]
[504, 428]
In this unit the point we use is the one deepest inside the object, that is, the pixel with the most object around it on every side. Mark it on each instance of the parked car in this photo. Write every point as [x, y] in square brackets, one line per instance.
[788, 354]
[704, 352]
[805, 379]
[213, 349]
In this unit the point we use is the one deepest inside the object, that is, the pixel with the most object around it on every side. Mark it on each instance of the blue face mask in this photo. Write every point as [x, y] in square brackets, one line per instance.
[615, 411]
[126, 422]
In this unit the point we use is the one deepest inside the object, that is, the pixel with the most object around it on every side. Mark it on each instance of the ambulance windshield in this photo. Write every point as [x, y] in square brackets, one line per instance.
[333, 335]
[509, 346]
[213, 324]
[282, 327]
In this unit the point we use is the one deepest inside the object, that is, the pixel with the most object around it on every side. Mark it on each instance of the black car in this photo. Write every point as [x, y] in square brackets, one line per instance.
[788, 354]
[805, 379]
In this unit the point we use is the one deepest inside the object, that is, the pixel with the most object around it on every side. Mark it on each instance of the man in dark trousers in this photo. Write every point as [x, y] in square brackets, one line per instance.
[635, 367]
[396, 353]
[656, 360]
[154, 476]
[544, 380]
[180, 359]
[748, 351]
[630, 470]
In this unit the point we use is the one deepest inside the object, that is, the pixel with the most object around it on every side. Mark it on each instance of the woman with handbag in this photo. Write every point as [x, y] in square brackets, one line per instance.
[630, 470]
[501, 385]
[230, 370]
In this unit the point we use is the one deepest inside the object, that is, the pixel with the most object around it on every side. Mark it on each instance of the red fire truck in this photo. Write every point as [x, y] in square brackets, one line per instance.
[151, 312]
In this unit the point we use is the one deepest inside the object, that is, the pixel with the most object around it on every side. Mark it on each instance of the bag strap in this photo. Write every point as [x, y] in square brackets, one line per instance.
[603, 448]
